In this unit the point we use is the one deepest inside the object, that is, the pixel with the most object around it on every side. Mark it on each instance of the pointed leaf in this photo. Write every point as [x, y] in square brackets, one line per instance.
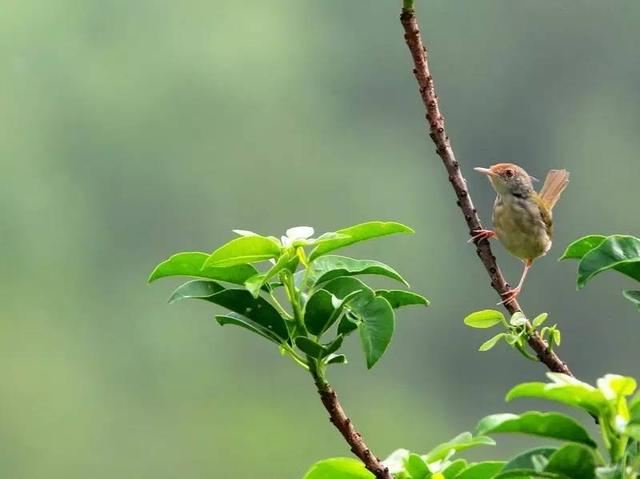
[576, 395]
[338, 468]
[618, 252]
[376, 329]
[582, 246]
[527, 459]
[196, 289]
[539, 320]
[481, 470]
[452, 470]
[361, 232]
[246, 249]
[328, 267]
[574, 461]
[529, 474]
[310, 347]
[237, 300]
[237, 320]
[416, 467]
[398, 298]
[256, 282]
[336, 359]
[334, 345]
[459, 443]
[190, 264]
[553, 425]
[345, 286]
[319, 311]
[487, 345]
[633, 296]
[486, 318]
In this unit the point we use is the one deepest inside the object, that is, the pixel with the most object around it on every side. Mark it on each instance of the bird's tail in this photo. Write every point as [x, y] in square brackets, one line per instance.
[554, 185]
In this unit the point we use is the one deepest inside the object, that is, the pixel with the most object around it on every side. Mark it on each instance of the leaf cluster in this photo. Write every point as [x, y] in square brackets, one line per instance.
[251, 276]
[597, 253]
[517, 330]
[577, 456]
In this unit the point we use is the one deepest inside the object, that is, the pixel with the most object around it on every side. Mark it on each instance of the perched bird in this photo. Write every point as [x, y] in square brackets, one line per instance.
[521, 217]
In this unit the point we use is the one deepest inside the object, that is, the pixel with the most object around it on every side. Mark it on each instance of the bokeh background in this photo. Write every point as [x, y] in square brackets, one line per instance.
[133, 130]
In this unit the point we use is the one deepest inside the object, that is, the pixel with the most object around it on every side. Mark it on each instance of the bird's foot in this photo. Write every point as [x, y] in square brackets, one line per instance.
[479, 235]
[509, 296]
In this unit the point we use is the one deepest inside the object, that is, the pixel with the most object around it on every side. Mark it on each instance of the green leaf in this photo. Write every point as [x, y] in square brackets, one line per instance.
[337, 359]
[486, 318]
[453, 469]
[634, 409]
[481, 470]
[398, 298]
[582, 246]
[347, 325]
[190, 264]
[376, 329]
[246, 249]
[310, 347]
[237, 300]
[333, 346]
[416, 467]
[553, 425]
[345, 286]
[459, 443]
[357, 233]
[574, 461]
[338, 468]
[529, 474]
[487, 345]
[237, 320]
[196, 289]
[329, 267]
[572, 393]
[518, 319]
[633, 296]
[256, 282]
[529, 459]
[319, 311]
[539, 320]
[618, 252]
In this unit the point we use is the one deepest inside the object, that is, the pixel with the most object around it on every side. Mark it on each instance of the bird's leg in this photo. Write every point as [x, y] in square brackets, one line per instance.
[514, 292]
[479, 235]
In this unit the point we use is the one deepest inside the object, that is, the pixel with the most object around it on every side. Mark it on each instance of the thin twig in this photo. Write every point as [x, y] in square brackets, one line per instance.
[443, 148]
[343, 424]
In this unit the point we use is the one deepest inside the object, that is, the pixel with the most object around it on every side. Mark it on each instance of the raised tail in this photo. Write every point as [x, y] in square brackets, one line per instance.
[554, 184]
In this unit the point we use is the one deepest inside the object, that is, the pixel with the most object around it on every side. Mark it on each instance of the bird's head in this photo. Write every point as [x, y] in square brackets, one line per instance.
[507, 178]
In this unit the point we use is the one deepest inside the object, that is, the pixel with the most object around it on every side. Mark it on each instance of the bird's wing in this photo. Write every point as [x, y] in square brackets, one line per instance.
[554, 185]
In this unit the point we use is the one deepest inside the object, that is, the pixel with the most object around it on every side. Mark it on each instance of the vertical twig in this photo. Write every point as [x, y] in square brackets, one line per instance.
[343, 424]
[438, 134]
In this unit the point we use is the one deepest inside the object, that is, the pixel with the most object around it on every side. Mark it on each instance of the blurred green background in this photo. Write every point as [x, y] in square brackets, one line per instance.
[134, 129]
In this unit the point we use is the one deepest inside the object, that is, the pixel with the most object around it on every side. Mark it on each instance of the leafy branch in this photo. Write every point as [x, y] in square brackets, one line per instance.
[438, 134]
[323, 294]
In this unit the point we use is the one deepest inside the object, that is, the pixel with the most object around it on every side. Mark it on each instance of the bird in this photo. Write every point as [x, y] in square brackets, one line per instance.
[522, 217]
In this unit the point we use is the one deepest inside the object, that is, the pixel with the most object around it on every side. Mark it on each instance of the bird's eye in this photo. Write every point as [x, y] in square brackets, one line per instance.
[509, 173]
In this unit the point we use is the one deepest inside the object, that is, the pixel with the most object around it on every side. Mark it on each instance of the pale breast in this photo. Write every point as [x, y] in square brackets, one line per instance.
[519, 227]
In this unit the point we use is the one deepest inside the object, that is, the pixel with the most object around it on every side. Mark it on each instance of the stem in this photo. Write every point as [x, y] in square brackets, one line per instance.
[287, 280]
[443, 148]
[343, 424]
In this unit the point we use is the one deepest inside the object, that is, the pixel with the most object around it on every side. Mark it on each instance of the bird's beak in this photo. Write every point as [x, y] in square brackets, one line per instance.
[485, 171]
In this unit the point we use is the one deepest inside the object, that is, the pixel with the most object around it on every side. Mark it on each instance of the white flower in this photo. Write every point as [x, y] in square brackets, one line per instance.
[296, 233]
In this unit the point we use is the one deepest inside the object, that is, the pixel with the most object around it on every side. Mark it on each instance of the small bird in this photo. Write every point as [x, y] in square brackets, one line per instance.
[521, 217]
